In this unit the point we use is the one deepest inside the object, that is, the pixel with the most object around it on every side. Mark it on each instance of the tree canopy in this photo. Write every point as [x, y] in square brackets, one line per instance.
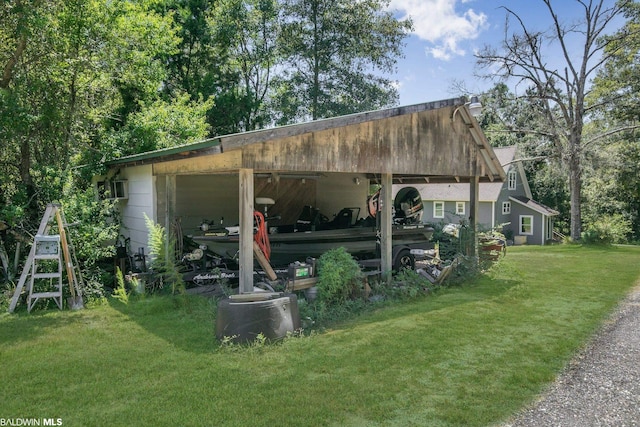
[558, 89]
[82, 81]
[332, 49]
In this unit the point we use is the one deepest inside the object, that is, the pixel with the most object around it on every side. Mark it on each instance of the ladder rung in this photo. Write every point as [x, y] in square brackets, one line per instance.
[46, 295]
[52, 238]
[47, 275]
[48, 256]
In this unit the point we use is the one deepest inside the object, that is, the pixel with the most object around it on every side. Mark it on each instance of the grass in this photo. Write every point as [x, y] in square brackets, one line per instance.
[465, 356]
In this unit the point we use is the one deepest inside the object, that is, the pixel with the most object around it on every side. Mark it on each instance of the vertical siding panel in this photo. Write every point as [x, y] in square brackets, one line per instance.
[140, 203]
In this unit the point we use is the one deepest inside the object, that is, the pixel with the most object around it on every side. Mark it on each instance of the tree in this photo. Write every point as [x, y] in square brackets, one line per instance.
[616, 90]
[74, 71]
[613, 184]
[333, 49]
[31, 90]
[510, 120]
[560, 92]
[200, 66]
[159, 124]
[225, 53]
[250, 28]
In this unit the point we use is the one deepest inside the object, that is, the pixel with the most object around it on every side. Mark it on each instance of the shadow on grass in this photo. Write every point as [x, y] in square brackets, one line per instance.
[187, 322]
[22, 326]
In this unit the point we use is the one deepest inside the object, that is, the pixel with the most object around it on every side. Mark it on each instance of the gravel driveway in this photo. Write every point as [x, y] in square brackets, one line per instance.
[601, 386]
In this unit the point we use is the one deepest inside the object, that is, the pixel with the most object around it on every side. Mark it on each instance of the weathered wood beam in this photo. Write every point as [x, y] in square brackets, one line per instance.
[246, 189]
[386, 234]
[475, 209]
[236, 141]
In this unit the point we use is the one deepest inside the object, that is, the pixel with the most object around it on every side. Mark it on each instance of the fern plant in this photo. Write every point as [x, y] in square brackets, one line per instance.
[120, 292]
[163, 263]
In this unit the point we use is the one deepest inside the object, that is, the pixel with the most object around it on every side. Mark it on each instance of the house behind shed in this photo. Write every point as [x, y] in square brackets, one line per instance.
[506, 206]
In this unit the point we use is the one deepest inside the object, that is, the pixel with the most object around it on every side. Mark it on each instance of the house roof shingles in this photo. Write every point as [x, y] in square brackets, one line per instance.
[538, 207]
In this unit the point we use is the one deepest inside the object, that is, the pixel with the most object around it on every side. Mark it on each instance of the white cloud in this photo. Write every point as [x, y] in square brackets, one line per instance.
[438, 22]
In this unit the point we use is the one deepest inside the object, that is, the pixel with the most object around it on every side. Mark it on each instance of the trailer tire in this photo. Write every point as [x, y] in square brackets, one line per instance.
[404, 260]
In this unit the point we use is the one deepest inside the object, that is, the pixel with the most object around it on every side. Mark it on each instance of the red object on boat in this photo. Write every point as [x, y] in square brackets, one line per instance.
[262, 237]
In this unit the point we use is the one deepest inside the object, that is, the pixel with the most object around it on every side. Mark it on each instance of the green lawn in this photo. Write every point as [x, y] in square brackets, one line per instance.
[470, 356]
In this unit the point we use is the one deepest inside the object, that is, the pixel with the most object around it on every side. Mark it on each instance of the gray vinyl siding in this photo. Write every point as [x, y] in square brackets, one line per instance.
[518, 210]
[510, 220]
[450, 216]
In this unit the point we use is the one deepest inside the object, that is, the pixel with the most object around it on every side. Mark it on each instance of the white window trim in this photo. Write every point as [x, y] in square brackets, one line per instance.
[460, 208]
[512, 180]
[530, 233]
[118, 189]
[436, 203]
[506, 208]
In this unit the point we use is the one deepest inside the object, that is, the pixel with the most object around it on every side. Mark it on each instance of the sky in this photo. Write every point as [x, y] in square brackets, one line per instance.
[439, 53]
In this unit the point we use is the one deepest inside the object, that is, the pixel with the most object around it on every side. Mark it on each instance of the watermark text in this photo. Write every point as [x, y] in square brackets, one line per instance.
[21, 422]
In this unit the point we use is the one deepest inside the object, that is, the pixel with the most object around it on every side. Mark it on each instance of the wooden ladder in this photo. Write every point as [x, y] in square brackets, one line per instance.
[47, 247]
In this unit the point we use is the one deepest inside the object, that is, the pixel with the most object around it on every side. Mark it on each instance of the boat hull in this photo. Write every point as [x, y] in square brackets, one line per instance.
[360, 242]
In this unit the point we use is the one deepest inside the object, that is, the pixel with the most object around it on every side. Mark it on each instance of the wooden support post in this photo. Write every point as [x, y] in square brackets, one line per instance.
[246, 230]
[473, 215]
[170, 209]
[386, 243]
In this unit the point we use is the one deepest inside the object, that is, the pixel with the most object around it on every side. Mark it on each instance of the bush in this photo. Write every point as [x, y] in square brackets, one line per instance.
[339, 276]
[409, 284]
[607, 229]
[92, 229]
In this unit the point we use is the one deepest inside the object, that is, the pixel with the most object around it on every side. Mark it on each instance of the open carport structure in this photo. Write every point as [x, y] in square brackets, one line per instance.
[323, 162]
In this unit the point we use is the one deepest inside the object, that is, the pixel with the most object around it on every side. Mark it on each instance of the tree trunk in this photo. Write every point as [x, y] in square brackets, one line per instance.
[26, 178]
[575, 189]
[315, 88]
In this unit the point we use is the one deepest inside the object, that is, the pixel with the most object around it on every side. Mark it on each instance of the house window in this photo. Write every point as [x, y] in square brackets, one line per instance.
[526, 225]
[459, 208]
[512, 180]
[506, 208]
[113, 189]
[438, 209]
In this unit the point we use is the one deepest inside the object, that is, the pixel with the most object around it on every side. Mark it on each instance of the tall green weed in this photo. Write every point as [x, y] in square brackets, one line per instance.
[163, 263]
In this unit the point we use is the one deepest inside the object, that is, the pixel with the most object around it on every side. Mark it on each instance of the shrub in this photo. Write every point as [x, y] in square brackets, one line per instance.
[339, 276]
[607, 229]
[96, 228]
[409, 284]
